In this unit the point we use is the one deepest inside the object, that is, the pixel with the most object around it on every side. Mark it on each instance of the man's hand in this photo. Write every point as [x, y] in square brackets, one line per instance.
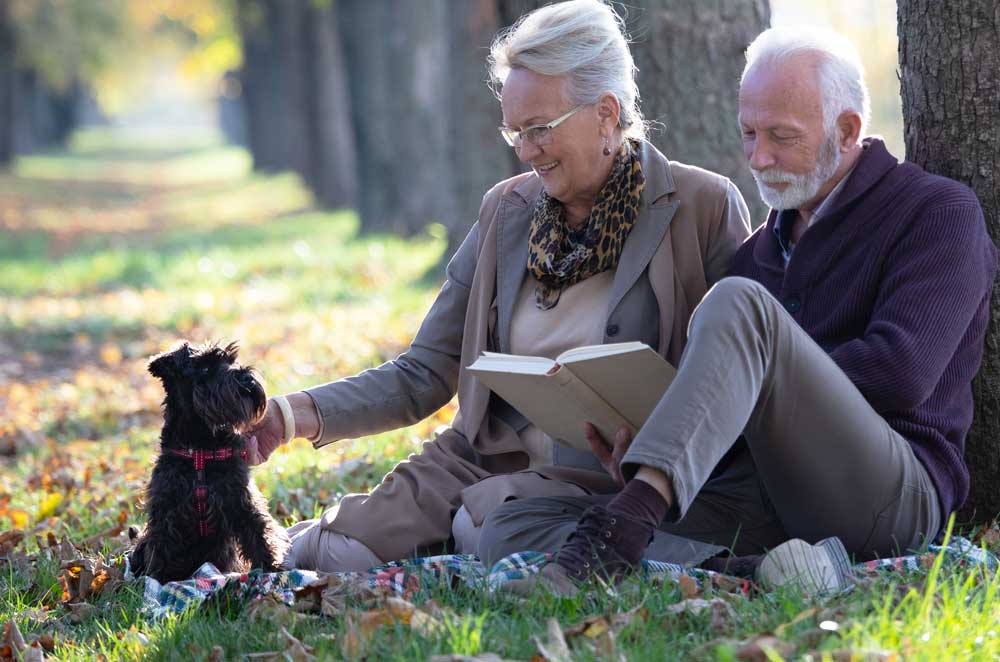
[266, 436]
[610, 455]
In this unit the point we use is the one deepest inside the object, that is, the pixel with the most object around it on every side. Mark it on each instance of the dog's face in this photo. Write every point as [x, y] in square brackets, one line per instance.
[208, 384]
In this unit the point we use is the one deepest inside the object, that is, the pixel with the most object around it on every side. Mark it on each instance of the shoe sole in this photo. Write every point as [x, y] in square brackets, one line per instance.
[823, 568]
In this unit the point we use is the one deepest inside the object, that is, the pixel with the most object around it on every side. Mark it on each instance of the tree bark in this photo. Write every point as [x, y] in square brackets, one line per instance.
[949, 57]
[690, 57]
[477, 155]
[267, 89]
[332, 159]
[396, 54]
[8, 85]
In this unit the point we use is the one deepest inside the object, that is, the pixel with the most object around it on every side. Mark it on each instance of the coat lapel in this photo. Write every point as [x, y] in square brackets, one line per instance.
[512, 252]
[656, 213]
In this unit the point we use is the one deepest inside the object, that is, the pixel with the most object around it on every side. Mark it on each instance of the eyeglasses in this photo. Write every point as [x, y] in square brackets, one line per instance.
[538, 135]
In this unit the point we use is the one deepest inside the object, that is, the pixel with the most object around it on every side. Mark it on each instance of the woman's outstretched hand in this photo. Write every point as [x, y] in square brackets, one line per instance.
[267, 435]
[609, 454]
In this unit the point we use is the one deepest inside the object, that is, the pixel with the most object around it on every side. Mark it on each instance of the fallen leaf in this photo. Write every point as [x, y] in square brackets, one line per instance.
[9, 540]
[270, 608]
[12, 642]
[295, 650]
[801, 616]
[764, 648]
[455, 657]
[555, 649]
[48, 506]
[217, 654]
[353, 643]
[79, 611]
[688, 586]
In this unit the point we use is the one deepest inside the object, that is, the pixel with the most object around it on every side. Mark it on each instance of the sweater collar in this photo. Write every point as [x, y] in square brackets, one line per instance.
[873, 164]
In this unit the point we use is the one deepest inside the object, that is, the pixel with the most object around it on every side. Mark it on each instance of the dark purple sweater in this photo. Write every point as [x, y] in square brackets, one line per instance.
[894, 282]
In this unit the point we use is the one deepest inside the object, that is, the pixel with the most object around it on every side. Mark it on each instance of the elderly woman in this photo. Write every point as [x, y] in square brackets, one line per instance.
[604, 240]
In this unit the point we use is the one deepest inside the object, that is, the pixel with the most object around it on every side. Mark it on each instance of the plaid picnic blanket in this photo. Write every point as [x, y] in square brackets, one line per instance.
[406, 576]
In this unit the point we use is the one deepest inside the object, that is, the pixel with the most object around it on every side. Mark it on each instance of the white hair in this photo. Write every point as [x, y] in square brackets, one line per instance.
[841, 74]
[583, 40]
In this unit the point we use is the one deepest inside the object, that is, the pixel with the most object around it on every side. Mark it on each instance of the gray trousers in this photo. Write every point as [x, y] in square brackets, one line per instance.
[820, 461]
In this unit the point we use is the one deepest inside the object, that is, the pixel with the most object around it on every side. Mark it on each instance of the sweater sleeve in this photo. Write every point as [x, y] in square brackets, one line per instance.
[934, 280]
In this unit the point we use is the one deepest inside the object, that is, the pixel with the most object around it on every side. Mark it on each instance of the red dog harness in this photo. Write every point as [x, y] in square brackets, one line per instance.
[200, 457]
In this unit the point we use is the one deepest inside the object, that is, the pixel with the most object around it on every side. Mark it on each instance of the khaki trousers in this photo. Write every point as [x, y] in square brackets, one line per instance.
[827, 464]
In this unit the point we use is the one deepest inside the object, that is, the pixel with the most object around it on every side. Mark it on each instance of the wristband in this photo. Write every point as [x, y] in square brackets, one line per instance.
[287, 416]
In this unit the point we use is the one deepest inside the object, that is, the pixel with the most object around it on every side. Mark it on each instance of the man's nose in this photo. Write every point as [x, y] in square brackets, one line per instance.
[759, 155]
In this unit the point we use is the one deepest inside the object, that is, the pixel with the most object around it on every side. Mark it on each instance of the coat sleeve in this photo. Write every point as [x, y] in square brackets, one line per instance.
[418, 382]
[731, 231]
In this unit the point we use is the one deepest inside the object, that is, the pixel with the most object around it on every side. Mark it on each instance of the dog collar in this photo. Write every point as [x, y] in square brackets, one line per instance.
[199, 458]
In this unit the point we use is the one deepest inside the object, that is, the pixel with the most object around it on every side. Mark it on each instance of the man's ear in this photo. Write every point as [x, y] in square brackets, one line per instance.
[165, 365]
[848, 129]
[609, 110]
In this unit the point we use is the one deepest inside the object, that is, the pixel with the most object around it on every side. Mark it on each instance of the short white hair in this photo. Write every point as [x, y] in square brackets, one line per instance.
[583, 40]
[841, 74]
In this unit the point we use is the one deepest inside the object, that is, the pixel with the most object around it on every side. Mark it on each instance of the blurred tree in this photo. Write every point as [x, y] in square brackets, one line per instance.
[294, 89]
[949, 58]
[693, 100]
[8, 81]
[397, 52]
[331, 170]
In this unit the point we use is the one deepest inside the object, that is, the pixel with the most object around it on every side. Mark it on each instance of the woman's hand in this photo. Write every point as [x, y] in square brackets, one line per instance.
[266, 436]
[609, 454]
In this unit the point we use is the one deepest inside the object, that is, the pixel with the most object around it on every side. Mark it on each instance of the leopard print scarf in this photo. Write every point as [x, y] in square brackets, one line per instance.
[559, 257]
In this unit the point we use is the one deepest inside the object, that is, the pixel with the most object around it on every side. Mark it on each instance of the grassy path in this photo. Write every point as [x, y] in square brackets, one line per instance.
[115, 249]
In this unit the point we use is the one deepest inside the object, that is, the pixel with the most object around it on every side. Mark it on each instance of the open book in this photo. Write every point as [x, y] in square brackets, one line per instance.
[611, 386]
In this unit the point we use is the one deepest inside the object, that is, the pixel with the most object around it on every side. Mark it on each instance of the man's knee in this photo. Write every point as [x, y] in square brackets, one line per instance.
[732, 301]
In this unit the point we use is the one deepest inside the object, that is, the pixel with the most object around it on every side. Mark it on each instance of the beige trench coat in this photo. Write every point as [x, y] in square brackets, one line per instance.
[690, 224]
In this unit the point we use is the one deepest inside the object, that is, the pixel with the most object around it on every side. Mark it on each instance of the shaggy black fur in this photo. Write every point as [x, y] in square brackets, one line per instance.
[210, 400]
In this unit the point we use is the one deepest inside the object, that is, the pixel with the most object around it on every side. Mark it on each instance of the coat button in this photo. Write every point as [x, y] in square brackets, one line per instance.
[793, 304]
[612, 330]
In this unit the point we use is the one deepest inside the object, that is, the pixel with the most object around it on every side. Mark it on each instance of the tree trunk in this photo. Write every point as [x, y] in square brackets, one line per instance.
[332, 160]
[8, 85]
[477, 155]
[690, 57]
[396, 53]
[949, 57]
[266, 87]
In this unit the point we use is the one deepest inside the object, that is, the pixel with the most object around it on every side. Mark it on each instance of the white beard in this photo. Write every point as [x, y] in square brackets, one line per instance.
[801, 188]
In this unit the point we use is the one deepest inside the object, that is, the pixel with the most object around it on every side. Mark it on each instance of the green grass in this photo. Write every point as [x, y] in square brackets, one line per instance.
[116, 248]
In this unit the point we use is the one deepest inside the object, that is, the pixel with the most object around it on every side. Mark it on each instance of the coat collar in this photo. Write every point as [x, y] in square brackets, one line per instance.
[515, 225]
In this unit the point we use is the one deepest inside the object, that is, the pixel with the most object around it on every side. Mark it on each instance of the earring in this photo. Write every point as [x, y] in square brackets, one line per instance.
[607, 149]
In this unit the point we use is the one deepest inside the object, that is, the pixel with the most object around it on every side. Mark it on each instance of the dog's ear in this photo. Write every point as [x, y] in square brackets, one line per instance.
[231, 351]
[168, 364]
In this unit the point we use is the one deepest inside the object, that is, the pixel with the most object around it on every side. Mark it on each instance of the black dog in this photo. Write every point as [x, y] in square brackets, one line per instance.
[200, 502]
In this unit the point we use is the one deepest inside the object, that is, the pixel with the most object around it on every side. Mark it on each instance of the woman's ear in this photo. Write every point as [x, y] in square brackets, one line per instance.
[609, 110]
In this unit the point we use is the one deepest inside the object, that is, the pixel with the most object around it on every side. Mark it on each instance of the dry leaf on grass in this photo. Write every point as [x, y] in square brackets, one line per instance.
[9, 540]
[455, 657]
[555, 648]
[80, 611]
[82, 578]
[13, 646]
[295, 651]
[764, 648]
[688, 586]
[848, 655]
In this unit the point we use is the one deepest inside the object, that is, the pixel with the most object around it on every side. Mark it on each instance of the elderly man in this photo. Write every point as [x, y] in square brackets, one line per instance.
[841, 352]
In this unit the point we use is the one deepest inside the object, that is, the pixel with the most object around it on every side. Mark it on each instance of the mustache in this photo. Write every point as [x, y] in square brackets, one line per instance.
[776, 176]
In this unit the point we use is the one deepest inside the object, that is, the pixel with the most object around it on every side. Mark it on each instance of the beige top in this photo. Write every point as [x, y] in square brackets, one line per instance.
[577, 320]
